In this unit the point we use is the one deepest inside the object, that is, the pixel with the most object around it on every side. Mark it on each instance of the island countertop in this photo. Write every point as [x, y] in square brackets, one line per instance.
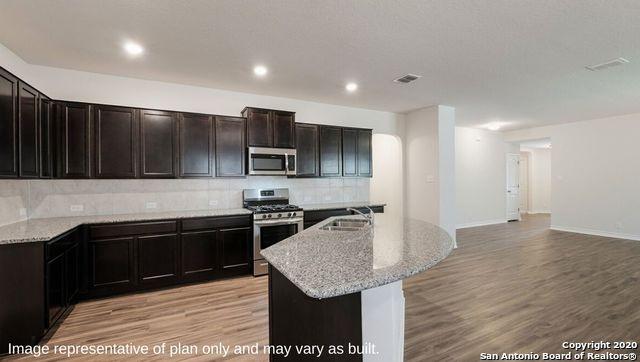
[325, 264]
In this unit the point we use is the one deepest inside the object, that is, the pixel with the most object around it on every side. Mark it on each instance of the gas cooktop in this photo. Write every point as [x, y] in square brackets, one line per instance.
[260, 209]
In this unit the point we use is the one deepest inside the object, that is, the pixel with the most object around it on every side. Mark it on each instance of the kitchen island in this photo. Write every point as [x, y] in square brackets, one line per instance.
[337, 294]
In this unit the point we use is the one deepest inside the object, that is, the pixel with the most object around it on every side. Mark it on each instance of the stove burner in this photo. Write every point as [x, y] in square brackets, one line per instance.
[273, 208]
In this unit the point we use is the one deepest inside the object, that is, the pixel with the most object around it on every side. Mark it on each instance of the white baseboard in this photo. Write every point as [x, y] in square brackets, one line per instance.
[481, 223]
[531, 212]
[607, 234]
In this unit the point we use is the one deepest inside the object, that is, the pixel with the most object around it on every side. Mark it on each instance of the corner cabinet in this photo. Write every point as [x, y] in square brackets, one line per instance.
[116, 142]
[8, 125]
[28, 140]
[270, 128]
[74, 120]
[230, 134]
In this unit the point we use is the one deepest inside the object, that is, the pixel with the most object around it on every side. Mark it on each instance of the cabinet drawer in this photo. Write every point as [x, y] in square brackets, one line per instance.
[215, 222]
[111, 230]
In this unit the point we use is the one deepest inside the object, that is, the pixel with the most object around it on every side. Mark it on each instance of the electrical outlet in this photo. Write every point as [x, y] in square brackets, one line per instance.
[76, 208]
[213, 202]
[151, 205]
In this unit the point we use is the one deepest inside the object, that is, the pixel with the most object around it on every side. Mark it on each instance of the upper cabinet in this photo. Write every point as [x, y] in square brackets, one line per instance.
[330, 151]
[8, 125]
[365, 147]
[28, 131]
[116, 142]
[270, 128]
[74, 120]
[307, 152]
[230, 146]
[196, 139]
[158, 144]
[46, 137]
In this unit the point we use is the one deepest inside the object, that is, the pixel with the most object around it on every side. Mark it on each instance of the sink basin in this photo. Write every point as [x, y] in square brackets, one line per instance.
[345, 225]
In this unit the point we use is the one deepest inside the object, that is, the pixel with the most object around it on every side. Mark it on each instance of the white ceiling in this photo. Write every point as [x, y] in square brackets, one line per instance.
[539, 143]
[520, 62]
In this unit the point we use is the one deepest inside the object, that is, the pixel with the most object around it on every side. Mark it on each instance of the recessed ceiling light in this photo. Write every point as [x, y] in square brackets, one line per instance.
[494, 126]
[351, 87]
[608, 64]
[133, 48]
[260, 70]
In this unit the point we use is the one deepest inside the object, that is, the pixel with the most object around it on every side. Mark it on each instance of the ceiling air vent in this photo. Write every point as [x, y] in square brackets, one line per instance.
[607, 64]
[407, 78]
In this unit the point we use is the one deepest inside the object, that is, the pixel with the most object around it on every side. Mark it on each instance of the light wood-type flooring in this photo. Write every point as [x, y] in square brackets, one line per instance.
[516, 287]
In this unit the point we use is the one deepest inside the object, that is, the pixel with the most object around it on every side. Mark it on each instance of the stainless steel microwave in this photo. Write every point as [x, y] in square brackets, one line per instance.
[272, 161]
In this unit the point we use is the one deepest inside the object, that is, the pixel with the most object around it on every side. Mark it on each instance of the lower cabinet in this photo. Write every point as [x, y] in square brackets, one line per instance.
[235, 255]
[62, 275]
[199, 254]
[157, 258]
[111, 264]
[55, 286]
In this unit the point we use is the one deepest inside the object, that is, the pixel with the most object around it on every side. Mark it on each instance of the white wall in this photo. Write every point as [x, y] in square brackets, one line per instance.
[480, 177]
[73, 85]
[539, 180]
[429, 171]
[595, 175]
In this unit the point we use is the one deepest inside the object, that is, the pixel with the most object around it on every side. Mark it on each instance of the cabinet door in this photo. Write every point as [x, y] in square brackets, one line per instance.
[157, 258]
[199, 254]
[230, 146]
[330, 151]
[283, 129]
[116, 137]
[234, 254]
[196, 145]
[8, 125]
[307, 150]
[349, 152]
[46, 137]
[75, 140]
[365, 163]
[158, 144]
[72, 275]
[112, 263]
[55, 289]
[259, 127]
[28, 131]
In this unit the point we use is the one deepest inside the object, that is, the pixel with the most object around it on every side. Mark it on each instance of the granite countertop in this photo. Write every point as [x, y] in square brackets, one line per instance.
[46, 229]
[340, 205]
[325, 264]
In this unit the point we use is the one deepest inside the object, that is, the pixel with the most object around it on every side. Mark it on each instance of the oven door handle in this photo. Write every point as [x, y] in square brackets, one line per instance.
[278, 222]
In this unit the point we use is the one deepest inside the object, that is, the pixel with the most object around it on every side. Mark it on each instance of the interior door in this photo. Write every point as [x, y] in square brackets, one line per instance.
[524, 183]
[513, 187]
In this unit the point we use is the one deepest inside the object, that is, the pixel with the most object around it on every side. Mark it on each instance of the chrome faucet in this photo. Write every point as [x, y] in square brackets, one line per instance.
[369, 217]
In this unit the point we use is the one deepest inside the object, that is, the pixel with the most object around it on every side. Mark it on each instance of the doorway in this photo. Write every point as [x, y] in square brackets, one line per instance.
[513, 187]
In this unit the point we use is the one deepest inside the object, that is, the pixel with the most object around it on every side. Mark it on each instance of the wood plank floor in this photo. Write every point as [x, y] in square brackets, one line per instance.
[516, 287]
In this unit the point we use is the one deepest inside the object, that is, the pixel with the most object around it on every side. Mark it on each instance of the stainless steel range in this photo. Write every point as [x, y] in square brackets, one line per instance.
[274, 220]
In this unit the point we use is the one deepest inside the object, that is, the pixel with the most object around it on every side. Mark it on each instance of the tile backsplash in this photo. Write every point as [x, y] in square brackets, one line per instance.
[55, 198]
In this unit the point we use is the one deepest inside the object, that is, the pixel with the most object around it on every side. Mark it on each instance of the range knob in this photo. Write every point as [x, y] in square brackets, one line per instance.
[279, 215]
[289, 214]
[294, 214]
[269, 216]
[264, 216]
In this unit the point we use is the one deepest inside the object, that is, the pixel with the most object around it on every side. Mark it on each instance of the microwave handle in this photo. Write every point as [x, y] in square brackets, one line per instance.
[286, 163]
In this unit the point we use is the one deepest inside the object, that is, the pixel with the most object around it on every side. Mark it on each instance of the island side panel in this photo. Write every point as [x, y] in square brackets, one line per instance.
[383, 313]
[297, 319]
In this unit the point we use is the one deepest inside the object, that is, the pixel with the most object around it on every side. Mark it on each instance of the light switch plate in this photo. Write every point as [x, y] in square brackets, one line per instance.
[151, 205]
[76, 208]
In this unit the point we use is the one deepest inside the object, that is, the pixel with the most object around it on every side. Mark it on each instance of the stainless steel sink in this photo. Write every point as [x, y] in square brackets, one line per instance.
[345, 225]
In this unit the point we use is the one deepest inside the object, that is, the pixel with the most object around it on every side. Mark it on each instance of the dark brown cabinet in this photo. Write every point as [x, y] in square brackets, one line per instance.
[196, 141]
[116, 142]
[230, 146]
[157, 258]
[365, 168]
[235, 257]
[75, 140]
[8, 125]
[330, 151]
[158, 144]
[199, 254]
[349, 152]
[46, 137]
[28, 131]
[62, 275]
[55, 296]
[112, 263]
[270, 128]
[307, 151]
[72, 271]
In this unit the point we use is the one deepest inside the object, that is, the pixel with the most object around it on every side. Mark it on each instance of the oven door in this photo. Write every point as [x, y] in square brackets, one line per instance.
[272, 161]
[269, 232]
